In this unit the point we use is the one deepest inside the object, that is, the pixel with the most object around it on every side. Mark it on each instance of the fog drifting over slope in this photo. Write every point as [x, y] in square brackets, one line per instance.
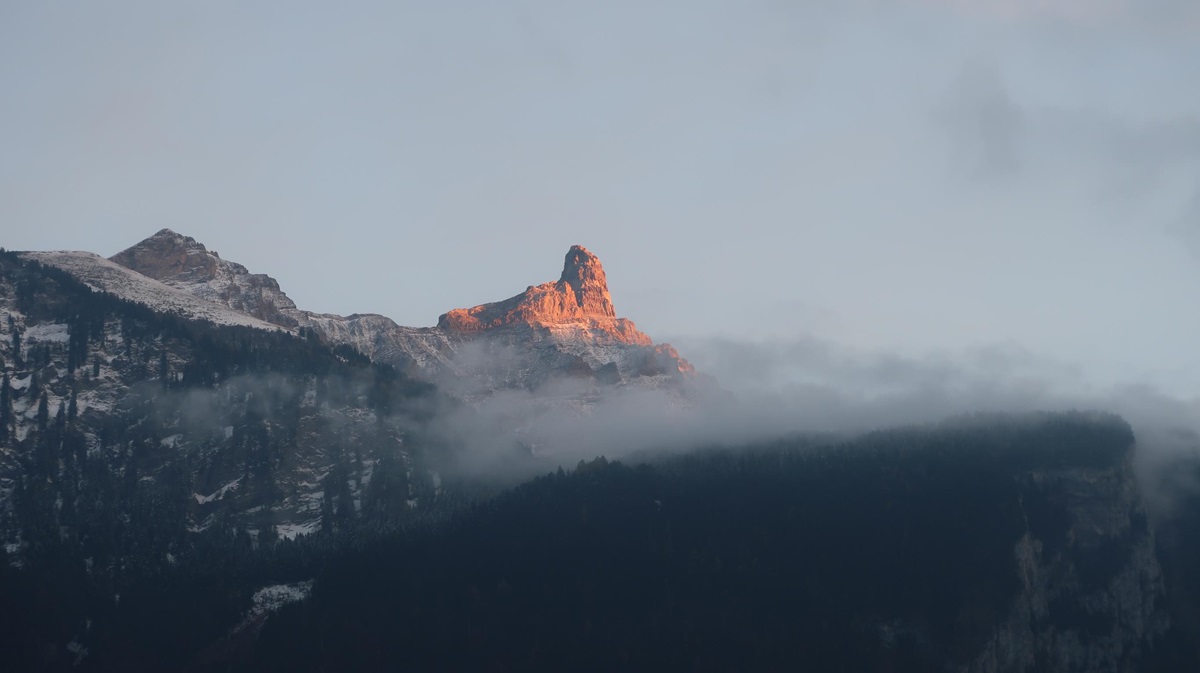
[814, 385]
[768, 389]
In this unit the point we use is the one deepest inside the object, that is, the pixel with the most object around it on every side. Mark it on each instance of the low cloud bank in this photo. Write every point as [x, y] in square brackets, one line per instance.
[770, 388]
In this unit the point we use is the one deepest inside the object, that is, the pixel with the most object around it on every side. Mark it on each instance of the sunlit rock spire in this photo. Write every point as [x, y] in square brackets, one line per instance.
[579, 299]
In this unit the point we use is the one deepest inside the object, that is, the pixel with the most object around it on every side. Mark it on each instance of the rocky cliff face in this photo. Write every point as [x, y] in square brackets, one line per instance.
[1091, 594]
[184, 263]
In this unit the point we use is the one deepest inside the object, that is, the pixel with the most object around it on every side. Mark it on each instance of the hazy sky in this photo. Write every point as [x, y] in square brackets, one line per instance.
[921, 177]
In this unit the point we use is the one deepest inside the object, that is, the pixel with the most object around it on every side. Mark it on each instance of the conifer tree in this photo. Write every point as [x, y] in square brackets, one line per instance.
[44, 454]
[72, 350]
[327, 519]
[43, 413]
[5, 409]
[163, 367]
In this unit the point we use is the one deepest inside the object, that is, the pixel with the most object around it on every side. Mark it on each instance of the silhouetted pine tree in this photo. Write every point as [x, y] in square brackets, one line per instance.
[16, 343]
[164, 368]
[43, 413]
[5, 409]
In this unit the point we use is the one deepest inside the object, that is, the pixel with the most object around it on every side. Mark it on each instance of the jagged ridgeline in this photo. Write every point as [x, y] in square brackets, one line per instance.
[565, 328]
[131, 441]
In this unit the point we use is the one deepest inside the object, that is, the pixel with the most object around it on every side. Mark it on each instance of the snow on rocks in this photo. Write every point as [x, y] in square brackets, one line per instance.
[217, 494]
[44, 332]
[103, 275]
[271, 598]
[291, 531]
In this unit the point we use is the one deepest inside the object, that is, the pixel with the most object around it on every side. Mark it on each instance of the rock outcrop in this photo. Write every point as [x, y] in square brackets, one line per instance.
[579, 298]
[184, 263]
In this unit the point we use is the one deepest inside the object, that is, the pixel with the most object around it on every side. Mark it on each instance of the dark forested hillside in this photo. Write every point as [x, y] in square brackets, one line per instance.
[149, 465]
[913, 550]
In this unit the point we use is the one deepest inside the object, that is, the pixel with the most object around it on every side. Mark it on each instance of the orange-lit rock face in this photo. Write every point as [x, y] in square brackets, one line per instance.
[578, 299]
[584, 276]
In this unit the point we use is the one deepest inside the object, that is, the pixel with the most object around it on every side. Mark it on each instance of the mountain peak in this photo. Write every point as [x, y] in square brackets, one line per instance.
[168, 255]
[184, 263]
[579, 298]
[167, 233]
[170, 239]
[584, 274]
[579, 258]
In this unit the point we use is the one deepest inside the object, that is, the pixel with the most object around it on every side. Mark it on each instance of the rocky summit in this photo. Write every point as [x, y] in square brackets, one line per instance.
[184, 263]
[579, 298]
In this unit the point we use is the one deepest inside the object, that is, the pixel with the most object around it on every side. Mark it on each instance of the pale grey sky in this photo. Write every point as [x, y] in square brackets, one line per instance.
[922, 177]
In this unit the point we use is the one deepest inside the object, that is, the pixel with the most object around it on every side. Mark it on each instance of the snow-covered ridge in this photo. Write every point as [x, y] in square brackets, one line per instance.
[101, 274]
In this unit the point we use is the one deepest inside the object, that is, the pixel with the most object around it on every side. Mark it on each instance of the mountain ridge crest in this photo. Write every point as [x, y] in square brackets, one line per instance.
[557, 328]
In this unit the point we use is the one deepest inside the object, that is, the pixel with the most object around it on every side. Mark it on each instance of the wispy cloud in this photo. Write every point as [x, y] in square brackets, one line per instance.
[983, 122]
[1160, 13]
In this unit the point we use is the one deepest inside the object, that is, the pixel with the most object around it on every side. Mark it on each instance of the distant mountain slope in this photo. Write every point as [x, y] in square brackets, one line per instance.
[102, 274]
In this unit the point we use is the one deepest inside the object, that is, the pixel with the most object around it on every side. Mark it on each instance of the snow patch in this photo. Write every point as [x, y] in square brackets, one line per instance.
[74, 647]
[271, 598]
[92, 401]
[56, 332]
[217, 494]
[291, 531]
